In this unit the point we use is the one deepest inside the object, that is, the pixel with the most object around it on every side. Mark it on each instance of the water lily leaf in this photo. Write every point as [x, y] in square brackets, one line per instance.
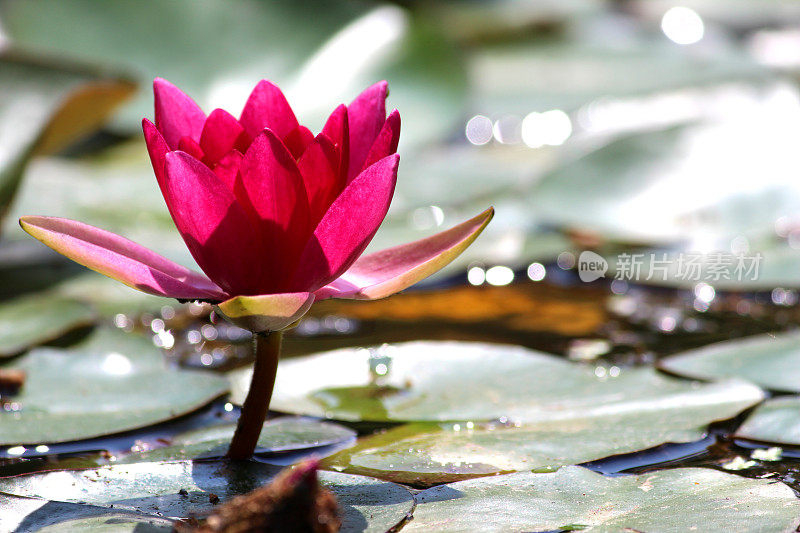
[775, 421]
[45, 106]
[308, 49]
[28, 515]
[426, 454]
[366, 504]
[460, 381]
[111, 382]
[771, 361]
[279, 435]
[684, 499]
[37, 319]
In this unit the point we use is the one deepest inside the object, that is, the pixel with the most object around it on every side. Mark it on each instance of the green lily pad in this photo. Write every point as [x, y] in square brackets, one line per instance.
[684, 499]
[44, 107]
[306, 48]
[775, 421]
[28, 515]
[427, 454]
[32, 320]
[110, 383]
[366, 504]
[461, 381]
[771, 361]
[281, 434]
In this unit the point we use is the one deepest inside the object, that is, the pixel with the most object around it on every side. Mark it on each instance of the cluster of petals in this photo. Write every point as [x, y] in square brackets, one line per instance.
[275, 216]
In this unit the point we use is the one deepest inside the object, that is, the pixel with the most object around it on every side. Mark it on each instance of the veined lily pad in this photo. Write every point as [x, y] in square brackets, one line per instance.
[32, 320]
[460, 381]
[110, 383]
[776, 421]
[573, 498]
[771, 361]
[279, 435]
[45, 107]
[29, 515]
[366, 504]
[425, 454]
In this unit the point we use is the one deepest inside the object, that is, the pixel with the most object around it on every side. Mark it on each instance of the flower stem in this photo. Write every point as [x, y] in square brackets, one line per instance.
[254, 411]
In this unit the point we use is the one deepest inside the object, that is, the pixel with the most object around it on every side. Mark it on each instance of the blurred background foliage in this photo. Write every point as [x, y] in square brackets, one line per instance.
[627, 122]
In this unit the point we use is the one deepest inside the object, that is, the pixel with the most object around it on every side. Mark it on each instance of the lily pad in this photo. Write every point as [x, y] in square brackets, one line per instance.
[366, 504]
[32, 320]
[771, 361]
[28, 515]
[427, 454]
[45, 106]
[775, 421]
[279, 435]
[461, 381]
[573, 498]
[110, 383]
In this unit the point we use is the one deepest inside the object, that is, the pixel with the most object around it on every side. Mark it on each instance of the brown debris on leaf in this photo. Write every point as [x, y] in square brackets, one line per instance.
[11, 380]
[293, 502]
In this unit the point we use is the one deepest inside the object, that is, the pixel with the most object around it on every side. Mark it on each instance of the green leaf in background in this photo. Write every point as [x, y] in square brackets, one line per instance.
[308, 48]
[461, 381]
[366, 504]
[684, 499]
[771, 361]
[278, 435]
[110, 383]
[115, 190]
[775, 421]
[32, 320]
[44, 106]
[426, 454]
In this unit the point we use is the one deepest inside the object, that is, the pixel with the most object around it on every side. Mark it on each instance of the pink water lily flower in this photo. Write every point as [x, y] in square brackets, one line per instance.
[276, 217]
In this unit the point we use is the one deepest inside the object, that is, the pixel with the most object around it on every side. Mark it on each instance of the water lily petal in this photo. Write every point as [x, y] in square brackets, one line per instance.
[267, 312]
[214, 226]
[337, 130]
[272, 183]
[386, 272]
[177, 115]
[386, 142]
[157, 148]
[298, 140]
[366, 115]
[191, 147]
[348, 226]
[221, 134]
[267, 108]
[228, 168]
[319, 167]
[120, 259]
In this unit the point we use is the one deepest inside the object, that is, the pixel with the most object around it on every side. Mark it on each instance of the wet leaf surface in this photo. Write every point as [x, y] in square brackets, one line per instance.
[776, 421]
[771, 361]
[451, 381]
[32, 320]
[154, 488]
[278, 435]
[684, 499]
[111, 382]
[427, 454]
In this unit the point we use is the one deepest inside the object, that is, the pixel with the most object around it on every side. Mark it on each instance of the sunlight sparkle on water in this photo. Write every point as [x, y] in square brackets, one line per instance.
[476, 275]
[536, 271]
[117, 364]
[479, 130]
[682, 25]
[550, 128]
[499, 276]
